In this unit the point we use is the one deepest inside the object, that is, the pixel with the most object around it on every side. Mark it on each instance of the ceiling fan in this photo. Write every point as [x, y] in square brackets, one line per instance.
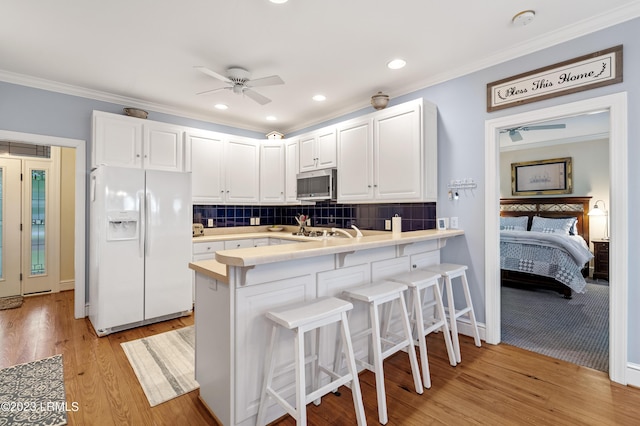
[241, 83]
[514, 133]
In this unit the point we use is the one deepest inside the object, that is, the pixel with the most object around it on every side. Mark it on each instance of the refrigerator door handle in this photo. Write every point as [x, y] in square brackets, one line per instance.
[147, 246]
[143, 226]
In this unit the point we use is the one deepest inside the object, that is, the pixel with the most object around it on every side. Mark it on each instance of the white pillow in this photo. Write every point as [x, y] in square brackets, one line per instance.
[514, 223]
[552, 225]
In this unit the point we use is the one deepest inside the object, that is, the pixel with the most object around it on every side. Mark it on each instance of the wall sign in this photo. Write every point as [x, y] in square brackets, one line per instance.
[582, 73]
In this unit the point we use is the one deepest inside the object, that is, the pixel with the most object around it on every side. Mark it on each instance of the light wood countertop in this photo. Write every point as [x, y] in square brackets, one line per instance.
[316, 246]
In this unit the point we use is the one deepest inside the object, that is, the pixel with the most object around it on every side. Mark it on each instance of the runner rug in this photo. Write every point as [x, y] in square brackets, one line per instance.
[164, 364]
[33, 393]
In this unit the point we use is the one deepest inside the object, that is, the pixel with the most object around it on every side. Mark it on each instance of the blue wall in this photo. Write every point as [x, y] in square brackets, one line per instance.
[461, 119]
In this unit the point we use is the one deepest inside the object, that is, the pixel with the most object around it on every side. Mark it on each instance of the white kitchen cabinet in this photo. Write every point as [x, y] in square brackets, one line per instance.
[318, 149]
[163, 146]
[205, 161]
[204, 251]
[261, 242]
[123, 141]
[389, 155]
[253, 329]
[242, 170]
[355, 159]
[272, 172]
[236, 244]
[117, 140]
[292, 168]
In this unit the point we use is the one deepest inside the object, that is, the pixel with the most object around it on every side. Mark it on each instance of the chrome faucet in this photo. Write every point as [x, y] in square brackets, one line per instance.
[341, 231]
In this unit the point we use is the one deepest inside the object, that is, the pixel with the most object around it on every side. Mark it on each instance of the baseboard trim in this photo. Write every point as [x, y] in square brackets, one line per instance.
[67, 285]
[633, 374]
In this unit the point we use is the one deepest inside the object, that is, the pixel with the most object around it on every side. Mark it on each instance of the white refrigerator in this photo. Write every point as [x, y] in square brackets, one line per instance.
[140, 247]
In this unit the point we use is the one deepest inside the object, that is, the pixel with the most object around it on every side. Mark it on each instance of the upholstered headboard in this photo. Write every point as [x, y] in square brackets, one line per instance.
[553, 207]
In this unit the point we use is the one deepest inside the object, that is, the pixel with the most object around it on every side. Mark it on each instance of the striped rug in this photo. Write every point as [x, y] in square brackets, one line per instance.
[164, 364]
[575, 330]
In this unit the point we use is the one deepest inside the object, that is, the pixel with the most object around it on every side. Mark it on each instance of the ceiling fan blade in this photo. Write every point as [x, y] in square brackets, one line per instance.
[206, 92]
[265, 81]
[545, 126]
[515, 135]
[213, 74]
[262, 100]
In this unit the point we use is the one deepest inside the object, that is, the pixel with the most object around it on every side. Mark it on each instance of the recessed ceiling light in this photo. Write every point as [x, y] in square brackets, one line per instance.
[221, 106]
[396, 64]
[319, 98]
[523, 18]
[278, 1]
[271, 118]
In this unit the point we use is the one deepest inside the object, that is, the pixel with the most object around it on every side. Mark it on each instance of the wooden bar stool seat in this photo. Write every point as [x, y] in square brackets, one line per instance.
[301, 318]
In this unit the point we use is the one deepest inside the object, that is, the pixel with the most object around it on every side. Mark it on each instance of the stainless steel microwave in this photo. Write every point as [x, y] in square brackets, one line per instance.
[317, 185]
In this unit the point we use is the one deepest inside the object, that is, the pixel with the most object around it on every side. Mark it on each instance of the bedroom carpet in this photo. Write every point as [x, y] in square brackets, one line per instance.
[164, 364]
[575, 330]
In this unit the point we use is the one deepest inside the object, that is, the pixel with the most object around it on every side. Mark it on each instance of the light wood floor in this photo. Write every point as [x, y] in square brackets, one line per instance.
[494, 385]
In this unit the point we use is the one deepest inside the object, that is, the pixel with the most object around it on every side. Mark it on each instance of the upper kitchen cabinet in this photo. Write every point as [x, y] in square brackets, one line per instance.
[224, 168]
[117, 140]
[205, 161]
[318, 150]
[355, 160]
[291, 170]
[163, 146]
[124, 141]
[242, 176]
[272, 172]
[389, 155]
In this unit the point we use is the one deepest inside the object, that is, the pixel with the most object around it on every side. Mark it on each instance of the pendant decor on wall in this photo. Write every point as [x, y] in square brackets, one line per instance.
[586, 72]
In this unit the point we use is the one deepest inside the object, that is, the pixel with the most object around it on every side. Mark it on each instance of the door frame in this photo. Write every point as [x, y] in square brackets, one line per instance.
[80, 205]
[616, 104]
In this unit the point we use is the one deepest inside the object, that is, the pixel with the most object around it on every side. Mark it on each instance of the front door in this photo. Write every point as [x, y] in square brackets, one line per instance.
[28, 226]
[10, 210]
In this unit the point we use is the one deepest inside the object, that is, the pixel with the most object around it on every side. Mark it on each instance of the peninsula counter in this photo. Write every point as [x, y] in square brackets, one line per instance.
[234, 291]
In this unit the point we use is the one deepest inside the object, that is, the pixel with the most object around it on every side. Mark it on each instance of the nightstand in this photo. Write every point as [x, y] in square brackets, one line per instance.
[601, 259]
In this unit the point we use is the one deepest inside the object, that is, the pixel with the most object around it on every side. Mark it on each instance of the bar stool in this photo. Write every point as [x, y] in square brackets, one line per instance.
[419, 283]
[376, 295]
[449, 271]
[301, 318]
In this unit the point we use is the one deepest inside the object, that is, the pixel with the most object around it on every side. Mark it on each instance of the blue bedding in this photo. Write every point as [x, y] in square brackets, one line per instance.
[557, 256]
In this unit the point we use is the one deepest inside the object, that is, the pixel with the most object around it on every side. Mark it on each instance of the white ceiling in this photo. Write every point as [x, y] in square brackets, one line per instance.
[142, 53]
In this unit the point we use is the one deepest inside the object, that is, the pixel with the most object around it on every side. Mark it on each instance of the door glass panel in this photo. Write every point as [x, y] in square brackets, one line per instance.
[1, 223]
[38, 199]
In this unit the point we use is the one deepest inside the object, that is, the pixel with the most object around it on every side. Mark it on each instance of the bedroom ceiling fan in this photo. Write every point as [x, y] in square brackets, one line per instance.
[514, 133]
[241, 83]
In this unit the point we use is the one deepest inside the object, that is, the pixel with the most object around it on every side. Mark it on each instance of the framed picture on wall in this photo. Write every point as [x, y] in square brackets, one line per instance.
[542, 177]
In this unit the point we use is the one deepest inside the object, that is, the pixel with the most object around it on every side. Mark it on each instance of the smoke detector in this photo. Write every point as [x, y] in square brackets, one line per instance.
[523, 18]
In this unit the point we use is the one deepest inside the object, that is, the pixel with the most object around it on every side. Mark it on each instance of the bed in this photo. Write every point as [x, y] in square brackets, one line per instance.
[544, 243]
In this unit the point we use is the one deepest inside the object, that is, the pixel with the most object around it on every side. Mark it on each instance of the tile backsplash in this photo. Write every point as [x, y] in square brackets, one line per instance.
[415, 216]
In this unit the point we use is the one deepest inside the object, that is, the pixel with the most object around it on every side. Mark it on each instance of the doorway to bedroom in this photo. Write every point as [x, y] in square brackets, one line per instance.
[535, 317]
[618, 217]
